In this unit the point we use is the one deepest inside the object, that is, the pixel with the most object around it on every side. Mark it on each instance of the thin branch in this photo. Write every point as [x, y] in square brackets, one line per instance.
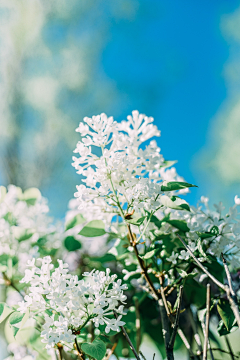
[111, 351]
[165, 328]
[60, 348]
[228, 275]
[230, 293]
[141, 262]
[205, 346]
[232, 299]
[10, 283]
[128, 339]
[155, 293]
[79, 351]
[218, 283]
[226, 352]
[229, 348]
[138, 324]
[176, 323]
[179, 331]
[142, 355]
[195, 331]
[165, 317]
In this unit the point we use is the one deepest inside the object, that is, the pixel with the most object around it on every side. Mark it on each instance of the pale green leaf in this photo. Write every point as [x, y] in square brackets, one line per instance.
[30, 195]
[76, 220]
[175, 185]
[21, 233]
[93, 228]
[96, 349]
[5, 311]
[174, 202]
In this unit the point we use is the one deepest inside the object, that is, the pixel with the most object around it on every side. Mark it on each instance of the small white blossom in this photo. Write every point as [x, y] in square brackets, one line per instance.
[74, 302]
[173, 258]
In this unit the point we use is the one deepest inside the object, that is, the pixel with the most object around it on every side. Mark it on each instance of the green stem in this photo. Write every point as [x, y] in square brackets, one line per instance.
[117, 200]
[145, 228]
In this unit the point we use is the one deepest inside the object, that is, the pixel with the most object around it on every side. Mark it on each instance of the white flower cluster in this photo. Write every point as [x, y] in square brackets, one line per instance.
[68, 304]
[225, 229]
[20, 352]
[114, 165]
[23, 220]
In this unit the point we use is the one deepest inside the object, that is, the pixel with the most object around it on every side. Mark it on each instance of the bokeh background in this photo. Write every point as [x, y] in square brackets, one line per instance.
[178, 61]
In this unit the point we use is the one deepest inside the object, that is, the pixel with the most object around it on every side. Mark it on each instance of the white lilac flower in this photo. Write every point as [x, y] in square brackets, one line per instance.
[225, 229]
[116, 167]
[73, 302]
[173, 258]
[18, 217]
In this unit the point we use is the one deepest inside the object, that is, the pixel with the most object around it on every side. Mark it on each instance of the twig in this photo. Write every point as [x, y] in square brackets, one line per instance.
[60, 348]
[140, 261]
[225, 352]
[179, 331]
[205, 346]
[79, 351]
[195, 331]
[128, 339]
[229, 348]
[165, 316]
[138, 324]
[228, 275]
[155, 293]
[142, 355]
[111, 351]
[176, 323]
[165, 328]
[10, 283]
[91, 330]
[230, 293]
[218, 283]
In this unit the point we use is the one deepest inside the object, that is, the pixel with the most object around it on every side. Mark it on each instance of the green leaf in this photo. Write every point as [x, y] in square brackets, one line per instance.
[22, 234]
[225, 311]
[5, 311]
[179, 224]
[96, 349]
[93, 228]
[137, 221]
[204, 235]
[150, 254]
[175, 185]
[222, 330]
[174, 202]
[71, 244]
[30, 195]
[16, 318]
[76, 220]
[10, 218]
[168, 163]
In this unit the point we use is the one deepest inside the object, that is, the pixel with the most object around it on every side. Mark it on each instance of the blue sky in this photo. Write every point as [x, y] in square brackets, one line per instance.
[167, 61]
[173, 60]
